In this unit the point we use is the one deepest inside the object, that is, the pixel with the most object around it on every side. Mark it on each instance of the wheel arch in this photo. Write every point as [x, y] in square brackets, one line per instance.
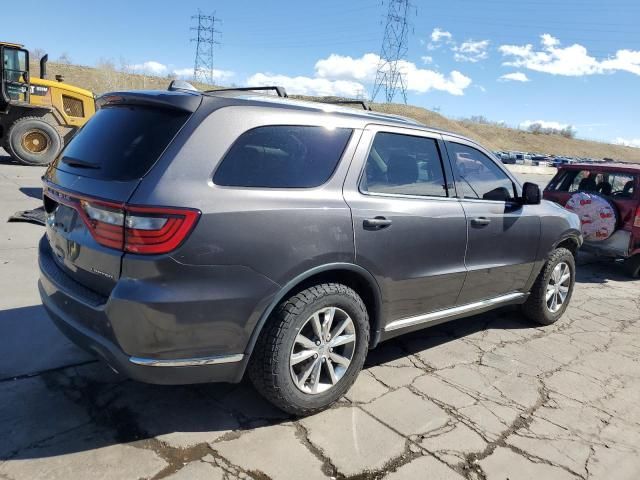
[351, 275]
[571, 240]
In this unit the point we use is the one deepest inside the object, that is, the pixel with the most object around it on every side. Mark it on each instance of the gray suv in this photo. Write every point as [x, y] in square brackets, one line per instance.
[195, 236]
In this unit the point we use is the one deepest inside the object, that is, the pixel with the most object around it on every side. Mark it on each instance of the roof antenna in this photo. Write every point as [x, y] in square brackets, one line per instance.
[177, 85]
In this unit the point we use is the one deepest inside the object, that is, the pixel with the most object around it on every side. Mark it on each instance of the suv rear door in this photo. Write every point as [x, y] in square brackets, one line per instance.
[409, 230]
[86, 187]
[503, 236]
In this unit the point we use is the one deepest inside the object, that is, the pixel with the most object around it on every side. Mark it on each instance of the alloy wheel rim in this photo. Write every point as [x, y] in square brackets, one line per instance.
[323, 350]
[558, 287]
[35, 141]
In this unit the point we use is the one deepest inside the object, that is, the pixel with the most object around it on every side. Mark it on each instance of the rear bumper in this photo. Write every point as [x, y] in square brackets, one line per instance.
[618, 245]
[170, 335]
[223, 369]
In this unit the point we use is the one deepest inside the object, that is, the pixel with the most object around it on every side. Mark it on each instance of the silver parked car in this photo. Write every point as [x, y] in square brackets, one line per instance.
[195, 236]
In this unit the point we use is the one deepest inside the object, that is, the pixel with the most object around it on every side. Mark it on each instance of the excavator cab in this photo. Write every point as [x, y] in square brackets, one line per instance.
[14, 72]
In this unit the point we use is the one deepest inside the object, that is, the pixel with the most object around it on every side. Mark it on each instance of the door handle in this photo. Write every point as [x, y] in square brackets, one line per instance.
[480, 221]
[377, 223]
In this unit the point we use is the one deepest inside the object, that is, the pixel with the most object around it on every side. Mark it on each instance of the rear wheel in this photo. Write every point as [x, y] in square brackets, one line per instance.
[551, 292]
[632, 266]
[311, 349]
[33, 141]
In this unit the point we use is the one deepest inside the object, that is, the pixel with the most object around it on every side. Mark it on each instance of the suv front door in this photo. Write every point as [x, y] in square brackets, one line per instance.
[410, 230]
[503, 235]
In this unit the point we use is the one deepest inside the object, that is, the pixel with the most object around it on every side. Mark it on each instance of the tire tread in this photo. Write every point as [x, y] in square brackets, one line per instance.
[535, 306]
[263, 365]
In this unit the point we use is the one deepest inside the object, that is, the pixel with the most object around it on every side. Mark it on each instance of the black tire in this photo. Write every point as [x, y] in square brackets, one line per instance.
[632, 266]
[536, 308]
[40, 150]
[269, 368]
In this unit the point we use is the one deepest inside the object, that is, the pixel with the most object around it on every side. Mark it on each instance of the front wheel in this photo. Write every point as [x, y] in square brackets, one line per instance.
[33, 141]
[551, 292]
[311, 349]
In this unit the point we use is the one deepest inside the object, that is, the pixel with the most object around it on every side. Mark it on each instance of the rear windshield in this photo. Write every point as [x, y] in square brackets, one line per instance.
[609, 183]
[121, 143]
[283, 156]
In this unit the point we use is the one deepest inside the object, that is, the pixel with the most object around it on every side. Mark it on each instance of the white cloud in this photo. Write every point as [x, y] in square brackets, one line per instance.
[426, 59]
[631, 142]
[422, 80]
[438, 35]
[471, 51]
[309, 86]
[363, 69]
[545, 124]
[625, 60]
[514, 77]
[345, 67]
[216, 75]
[549, 41]
[573, 60]
[159, 69]
[151, 67]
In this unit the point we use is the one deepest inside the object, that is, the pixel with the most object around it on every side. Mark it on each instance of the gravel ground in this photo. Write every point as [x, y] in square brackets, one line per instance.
[486, 397]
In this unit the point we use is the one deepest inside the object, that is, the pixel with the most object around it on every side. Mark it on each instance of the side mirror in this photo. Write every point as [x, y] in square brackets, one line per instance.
[531, 194]
[500, 194]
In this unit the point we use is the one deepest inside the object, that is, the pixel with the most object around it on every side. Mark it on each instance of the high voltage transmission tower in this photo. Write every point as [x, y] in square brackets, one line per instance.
[205, 41]
[394, 50]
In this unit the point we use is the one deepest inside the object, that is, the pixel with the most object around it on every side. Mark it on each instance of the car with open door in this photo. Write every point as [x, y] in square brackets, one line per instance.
[606, 196]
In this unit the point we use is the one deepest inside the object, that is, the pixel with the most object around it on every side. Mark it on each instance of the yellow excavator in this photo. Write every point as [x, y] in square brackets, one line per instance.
[38, 117]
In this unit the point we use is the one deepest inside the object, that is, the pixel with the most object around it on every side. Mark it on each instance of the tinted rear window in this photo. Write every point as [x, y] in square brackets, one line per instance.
[121, 143]
[281, 156]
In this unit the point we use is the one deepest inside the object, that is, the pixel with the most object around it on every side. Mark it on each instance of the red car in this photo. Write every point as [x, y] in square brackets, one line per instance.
[619, 184]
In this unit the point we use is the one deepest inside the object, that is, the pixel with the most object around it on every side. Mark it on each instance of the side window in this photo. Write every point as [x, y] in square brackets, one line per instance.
[584, 181]
[404, 164]
[283, 156]
[477, 176]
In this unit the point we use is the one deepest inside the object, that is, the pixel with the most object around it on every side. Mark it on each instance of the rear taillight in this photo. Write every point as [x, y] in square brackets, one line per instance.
[105, 222]
[636, 221]
[135, 229]
[157, 230]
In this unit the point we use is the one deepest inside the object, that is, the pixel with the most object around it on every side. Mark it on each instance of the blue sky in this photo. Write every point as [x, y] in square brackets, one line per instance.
[571, 62]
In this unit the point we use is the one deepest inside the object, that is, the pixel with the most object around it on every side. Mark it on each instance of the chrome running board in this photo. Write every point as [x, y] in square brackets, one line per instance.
[187, 362]
[452, 312]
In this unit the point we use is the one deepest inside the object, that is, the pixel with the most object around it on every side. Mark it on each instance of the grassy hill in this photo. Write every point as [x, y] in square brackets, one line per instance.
[100, 80]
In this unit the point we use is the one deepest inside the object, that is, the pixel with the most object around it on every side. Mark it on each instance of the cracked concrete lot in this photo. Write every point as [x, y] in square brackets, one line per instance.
[489, 397]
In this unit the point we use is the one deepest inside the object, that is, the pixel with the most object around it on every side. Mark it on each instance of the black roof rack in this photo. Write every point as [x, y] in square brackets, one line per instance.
[279, 90]
[349, 102]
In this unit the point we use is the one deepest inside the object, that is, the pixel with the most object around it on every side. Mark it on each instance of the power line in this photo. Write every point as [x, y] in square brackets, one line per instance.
[394, 51]
[205, 41]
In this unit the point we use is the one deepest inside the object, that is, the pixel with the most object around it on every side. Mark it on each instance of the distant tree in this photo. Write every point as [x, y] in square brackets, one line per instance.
[538, 129]
[106, 69]
[535, 128]
[37, 53]
[64, 58]
[106, 64]
[481, 119]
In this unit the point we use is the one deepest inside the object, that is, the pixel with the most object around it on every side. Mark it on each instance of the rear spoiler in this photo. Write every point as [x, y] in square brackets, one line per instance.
[182, 101]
